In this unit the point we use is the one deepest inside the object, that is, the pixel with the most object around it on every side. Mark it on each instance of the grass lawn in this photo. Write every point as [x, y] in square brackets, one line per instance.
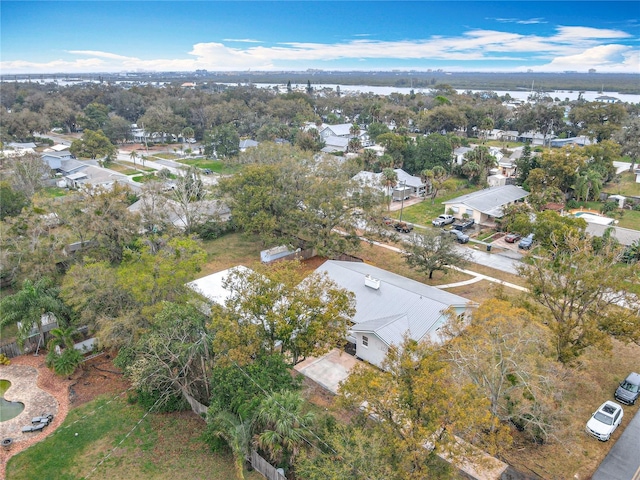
[162, 446]
[422, 213]
[127, 168]
[228, 251]
[215, 166]
[627, 186]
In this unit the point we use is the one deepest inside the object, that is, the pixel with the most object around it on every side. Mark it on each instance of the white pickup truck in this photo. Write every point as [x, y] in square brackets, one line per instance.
[443, 220]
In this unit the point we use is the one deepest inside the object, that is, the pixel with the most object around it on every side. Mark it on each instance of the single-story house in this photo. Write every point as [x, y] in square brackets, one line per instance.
[485, 205]
[536, 139]
[55, 159]
[16, 149]
[459, 153]
[509, 136]
[408, 184]
[581, 141]
[625, 236]
[407, 180]
[390, 307]
[335, 144]
[212, 286]
[607, 99]
[248, 143]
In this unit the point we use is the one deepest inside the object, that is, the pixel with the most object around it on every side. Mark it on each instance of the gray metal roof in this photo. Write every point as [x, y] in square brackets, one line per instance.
[625, 236]
[491, 200]
[399, 306]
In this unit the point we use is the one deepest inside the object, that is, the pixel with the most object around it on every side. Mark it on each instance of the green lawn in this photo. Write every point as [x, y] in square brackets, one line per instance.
[627, 186]
[161, 446]
[422, 213]
[213, 165]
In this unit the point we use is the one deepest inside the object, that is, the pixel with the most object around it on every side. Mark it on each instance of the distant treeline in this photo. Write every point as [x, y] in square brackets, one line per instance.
[607, 82]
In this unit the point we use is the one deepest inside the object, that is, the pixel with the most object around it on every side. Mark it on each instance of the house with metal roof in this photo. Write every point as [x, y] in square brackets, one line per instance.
[390, 307]
[485, 205]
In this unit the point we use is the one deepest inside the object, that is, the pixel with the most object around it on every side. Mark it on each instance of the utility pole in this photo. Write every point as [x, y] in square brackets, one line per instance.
[402, 184]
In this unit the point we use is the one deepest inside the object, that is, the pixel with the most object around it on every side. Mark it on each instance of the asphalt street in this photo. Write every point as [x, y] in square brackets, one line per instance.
[623, 460]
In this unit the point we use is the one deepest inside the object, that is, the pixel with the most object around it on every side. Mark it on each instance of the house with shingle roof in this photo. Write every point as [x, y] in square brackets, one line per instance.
[485, 205]
[390, 307]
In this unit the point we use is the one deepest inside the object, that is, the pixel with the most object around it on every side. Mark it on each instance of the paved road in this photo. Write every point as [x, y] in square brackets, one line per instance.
[623, 460]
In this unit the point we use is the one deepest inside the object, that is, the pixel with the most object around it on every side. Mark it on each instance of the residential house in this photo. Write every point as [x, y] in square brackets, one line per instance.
[536, 139]
[607, 99]
[509, 136]
[390, 307]
[581, 141]
[485, 205]
[212, 286]
[406, 184]
[56, 159]
[334, 144]
[459, 153]
[248, 143]
[16, 149]
[342, 130]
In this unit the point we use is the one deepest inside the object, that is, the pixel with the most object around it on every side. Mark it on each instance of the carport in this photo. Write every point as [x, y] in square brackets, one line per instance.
[328, 370]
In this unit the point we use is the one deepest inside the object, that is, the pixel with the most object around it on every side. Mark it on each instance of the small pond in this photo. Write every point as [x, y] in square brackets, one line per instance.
[8, 410]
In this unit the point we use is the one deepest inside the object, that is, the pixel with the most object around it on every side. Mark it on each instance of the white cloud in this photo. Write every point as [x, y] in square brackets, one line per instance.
[529, 21]
[241, 40]
[569, 48]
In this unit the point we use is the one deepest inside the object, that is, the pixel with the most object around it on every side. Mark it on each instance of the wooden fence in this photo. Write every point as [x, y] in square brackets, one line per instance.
[265, 468]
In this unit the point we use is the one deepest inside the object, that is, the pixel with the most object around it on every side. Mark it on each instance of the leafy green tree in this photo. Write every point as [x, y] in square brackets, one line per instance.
[435, 180]
[581, 290]
[417, 401]
[95, 116]
[161, 118]
[552, 230]
[66, 362]
[13, 201]
[304, 316]
[117, 129]
[223, 141]
[93, 144]
[29, 304]
[627, 137]
[429, 252]
[525, 164]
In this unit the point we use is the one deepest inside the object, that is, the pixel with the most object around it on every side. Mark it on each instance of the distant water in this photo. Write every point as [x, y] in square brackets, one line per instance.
[377, 90]
[517, 94]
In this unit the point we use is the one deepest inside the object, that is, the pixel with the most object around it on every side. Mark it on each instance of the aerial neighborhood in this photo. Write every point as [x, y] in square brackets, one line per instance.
[296, 281]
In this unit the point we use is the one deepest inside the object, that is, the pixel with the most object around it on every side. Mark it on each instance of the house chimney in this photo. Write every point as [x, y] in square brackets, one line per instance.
[371, 282]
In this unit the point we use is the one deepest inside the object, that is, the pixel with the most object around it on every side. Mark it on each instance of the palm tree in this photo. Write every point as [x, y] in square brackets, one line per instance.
[390, 180]
[282, 423]
[29, 304]
[133, 156]
[237, 433]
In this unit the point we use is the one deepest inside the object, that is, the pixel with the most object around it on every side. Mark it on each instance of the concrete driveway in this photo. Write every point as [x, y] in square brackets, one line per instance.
[623, 460]
[330, 369]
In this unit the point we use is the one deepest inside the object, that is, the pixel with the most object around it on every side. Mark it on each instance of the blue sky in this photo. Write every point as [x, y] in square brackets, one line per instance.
[112, 36]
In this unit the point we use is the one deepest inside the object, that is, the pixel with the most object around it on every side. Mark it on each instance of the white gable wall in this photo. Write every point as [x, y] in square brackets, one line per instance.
[375, 352]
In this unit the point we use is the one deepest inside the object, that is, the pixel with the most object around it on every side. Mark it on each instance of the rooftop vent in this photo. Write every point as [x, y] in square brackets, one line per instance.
[371, 282]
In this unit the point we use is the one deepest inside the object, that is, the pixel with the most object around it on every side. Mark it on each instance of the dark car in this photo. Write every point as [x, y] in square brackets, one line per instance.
[403, 227]
[207, 171]
[629, 389]
[526, 242]
[459, 236]
[512, 237]
[464, 225]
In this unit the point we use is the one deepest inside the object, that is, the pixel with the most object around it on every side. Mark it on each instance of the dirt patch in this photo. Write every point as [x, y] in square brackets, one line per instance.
[98, 377]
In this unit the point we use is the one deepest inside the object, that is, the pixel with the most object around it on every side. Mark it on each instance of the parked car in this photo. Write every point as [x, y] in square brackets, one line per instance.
[464, 225]
[605, 420]
[403, 227]
[207, 171]
[526, 242]
[512, 237]
[443, 220]
[629, 390]
[387, 220]
[459, 236]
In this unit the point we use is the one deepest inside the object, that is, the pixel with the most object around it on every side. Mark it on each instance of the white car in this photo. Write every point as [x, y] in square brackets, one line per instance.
[605, 420]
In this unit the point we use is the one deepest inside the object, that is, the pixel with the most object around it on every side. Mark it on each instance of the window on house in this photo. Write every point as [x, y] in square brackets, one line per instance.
[365, 341]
